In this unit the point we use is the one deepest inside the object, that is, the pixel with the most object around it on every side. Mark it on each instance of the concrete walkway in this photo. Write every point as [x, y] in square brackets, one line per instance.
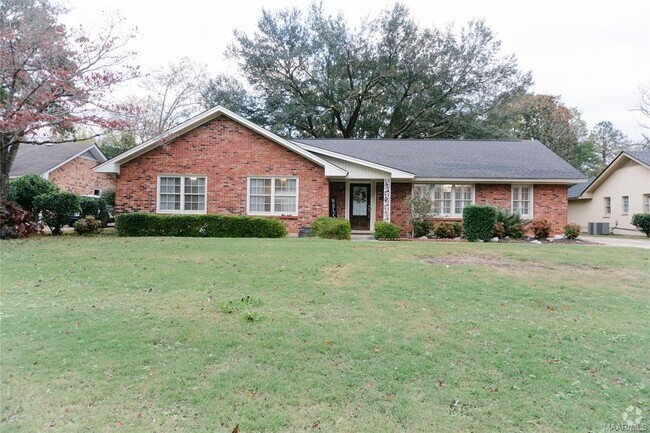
[615, 241]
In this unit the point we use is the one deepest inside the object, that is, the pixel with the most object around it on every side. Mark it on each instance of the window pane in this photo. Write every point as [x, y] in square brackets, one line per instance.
[463, 197]
[260, 204]
[285, 204]
[170, 197]
[442, 198]
[285, 186]
[260, 186]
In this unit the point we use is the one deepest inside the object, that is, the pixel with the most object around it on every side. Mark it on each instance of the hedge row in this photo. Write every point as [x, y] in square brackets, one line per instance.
[478, 222]
[211, 226]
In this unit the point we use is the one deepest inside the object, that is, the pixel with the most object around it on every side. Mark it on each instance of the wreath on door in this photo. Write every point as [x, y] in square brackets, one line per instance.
[360, 195]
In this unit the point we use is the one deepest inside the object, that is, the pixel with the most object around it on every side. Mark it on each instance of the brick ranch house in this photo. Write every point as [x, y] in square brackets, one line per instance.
[68, 165]
[220, 163]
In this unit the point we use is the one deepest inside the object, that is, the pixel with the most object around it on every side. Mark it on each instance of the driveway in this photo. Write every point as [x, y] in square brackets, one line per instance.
[615, 241]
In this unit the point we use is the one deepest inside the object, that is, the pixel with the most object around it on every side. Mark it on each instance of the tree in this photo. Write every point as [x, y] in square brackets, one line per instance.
[608, 141]
[116, 143]
[547, 119]
[311, 75]
[52, 79]
[57, 208]
[173, 96]
[644, 109]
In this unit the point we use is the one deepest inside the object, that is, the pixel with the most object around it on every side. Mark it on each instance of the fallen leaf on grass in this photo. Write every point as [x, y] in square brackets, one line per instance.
[390, 396]
[552, 361]
[494, 389]
[617, 381]
[328, 342]
[314, 426]
[236, 429]
[442, 384]
[376, 350]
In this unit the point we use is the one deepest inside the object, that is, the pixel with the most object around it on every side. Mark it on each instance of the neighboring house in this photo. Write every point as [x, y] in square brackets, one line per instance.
[219, 163]
[620, 191]
[68, 165]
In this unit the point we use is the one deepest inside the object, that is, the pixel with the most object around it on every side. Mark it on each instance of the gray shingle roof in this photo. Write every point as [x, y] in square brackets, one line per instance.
[576, 190]
[461, 159]
[641, 155]
[38, 159]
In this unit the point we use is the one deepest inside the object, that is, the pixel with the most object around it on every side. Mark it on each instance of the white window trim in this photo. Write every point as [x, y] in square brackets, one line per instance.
[453, 213]
[605, 206]
[531, 199]
[272, 212]
[182, 210]
[646, 203]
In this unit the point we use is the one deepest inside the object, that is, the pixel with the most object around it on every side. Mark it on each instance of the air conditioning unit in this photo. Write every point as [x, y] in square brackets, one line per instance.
[598, 228]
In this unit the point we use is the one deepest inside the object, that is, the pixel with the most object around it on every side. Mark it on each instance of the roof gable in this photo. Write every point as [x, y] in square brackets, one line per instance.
[639, 157]
[44, 158]
[113, 165]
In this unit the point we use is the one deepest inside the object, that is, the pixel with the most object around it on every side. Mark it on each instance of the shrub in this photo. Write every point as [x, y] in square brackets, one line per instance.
[88, 225]
[449, 230]
[422, 228]
[109, 196]
[331, 228]
[57, 209]
[541, 228]
[25, 189]
[211, 226]
[95, 207]
[571, 231]
[15, 222]
[478, 222]
[508, 224]
[642, 222]
[386, 230]
[499, 230]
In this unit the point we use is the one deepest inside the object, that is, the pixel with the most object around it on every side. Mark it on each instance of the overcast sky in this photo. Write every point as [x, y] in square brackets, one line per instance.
[594, 54]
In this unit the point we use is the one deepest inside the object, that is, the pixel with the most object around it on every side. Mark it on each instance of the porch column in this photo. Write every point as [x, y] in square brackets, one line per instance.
[387, 200]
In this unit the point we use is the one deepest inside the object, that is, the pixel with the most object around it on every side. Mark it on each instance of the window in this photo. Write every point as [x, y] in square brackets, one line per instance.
[181, 194]
[522, 200]
[608, 205]
[626, 204]
[646, 203]
[97, 192]
[449, 200]
[273, 195]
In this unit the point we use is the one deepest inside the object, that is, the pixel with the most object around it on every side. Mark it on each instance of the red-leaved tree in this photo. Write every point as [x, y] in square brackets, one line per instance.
[54, 81]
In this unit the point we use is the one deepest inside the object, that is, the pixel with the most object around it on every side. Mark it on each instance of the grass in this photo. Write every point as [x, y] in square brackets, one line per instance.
[163, 334]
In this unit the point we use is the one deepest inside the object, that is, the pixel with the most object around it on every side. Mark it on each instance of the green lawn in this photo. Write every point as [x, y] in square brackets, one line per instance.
[151, 334]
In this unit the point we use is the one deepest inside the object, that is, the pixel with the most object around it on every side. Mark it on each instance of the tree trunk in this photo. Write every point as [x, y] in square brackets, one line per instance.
[8, 150]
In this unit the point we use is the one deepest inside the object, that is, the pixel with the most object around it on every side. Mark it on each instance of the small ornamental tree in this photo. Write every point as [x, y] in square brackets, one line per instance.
[54, 80]
[57, 209]
[421, 208]
[642, 222]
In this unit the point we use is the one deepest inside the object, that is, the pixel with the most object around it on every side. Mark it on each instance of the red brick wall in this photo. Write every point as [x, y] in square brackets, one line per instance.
[227, 153]
[78, 177]
[398, 211]
[494, 195]
[551, 203]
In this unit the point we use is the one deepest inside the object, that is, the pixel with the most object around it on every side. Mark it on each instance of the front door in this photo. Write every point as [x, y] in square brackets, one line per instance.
[360, 206]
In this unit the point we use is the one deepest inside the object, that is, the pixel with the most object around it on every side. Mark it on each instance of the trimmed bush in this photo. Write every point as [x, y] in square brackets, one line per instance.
[109, 196]
[571, 231]
[209, 226]
[448, 230]
[642, 222]
[331, 228]
[24, 189]
[57, 209]
[541, 228]
[88, 226]
[478, 222]
[95, 207]
[386, 230]
[15, 222]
